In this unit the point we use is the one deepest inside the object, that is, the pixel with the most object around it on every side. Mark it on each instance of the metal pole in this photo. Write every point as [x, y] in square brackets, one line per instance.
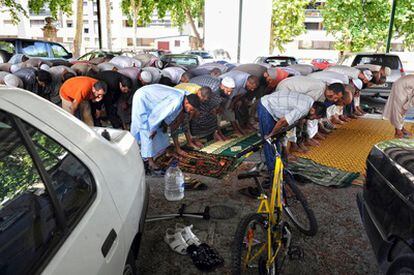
[98, 14]
[240, 30]
[394, 4]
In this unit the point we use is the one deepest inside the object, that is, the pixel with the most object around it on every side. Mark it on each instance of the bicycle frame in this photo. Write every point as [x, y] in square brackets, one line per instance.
[273, 209]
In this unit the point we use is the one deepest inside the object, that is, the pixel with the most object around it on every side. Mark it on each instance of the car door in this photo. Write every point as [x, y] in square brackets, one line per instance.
[88, 240]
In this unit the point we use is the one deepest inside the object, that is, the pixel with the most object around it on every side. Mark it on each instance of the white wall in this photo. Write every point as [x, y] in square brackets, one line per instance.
[256, 25]
[221, 21]
[222, 27]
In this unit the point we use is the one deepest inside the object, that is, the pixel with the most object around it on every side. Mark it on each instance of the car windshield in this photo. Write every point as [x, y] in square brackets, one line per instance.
[390, 61]
[204, 55]
[186, 61]
[275, 61]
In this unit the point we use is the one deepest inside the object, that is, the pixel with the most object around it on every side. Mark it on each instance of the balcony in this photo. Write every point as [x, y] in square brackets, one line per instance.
[313, 13]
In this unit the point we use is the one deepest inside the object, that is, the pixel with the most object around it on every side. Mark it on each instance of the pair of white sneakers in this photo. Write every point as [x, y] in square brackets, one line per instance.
[180, 238]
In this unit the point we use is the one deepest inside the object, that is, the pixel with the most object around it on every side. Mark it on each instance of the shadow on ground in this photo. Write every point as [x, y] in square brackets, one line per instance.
[340, 246]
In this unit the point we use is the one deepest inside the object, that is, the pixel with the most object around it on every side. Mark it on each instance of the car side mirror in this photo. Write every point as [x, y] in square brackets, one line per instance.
[69, 55]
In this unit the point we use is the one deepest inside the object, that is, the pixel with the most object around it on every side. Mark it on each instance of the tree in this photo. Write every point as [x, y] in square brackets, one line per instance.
[13, 8]
[77, 41]
[183, 11]
[139, 12]
[288, 20]
[357, 24]
[404, 22]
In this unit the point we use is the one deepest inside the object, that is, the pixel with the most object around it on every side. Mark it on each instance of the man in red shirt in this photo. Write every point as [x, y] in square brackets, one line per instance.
[76, 93]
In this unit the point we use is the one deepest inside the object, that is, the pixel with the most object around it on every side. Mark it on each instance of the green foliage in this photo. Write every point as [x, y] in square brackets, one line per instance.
[13, 8]
[404, 22]
[287, 21]
[363, 24]
[54, 5]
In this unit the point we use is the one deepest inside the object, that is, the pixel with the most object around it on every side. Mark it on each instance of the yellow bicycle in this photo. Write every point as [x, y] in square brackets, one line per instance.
[263, 239]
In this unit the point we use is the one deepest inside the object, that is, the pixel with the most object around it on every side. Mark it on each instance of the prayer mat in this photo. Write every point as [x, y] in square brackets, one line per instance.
[231, 147]
[347, 147]
[307, 170]
[200, 163]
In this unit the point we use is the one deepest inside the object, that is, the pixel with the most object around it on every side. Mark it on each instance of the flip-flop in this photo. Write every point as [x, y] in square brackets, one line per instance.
[195, 185]
[250, 192]
[176, 241]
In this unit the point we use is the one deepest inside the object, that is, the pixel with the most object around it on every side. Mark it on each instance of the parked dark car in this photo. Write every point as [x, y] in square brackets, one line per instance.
[277, 61]
[386, 205]
[32, 48]
[187, 61]
[390, 60]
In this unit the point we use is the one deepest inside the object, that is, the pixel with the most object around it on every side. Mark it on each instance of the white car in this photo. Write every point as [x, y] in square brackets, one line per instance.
[71, 201]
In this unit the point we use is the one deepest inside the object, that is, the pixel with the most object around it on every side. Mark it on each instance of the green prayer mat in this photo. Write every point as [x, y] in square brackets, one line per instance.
[231, 147]
[308, 170]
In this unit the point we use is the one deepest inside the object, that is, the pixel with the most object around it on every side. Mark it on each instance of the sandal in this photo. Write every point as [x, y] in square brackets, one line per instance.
[204, 257]
[176, 241]
[194, 185]
[188, 235]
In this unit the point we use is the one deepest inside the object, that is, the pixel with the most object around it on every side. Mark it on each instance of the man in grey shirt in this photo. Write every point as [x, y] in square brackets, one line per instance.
[283, 109]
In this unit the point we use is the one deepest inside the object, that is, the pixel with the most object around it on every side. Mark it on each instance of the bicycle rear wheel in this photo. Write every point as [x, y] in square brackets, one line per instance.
[297, 209]
[250, 247]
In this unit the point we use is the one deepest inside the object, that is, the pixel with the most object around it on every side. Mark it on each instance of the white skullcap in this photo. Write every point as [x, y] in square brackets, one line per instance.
[15, 67]
[146, 76]
[368, 74]
[357, 83]
[44, 67]
[387, 71]
[13, 81]
[333, 80]
[228, 82]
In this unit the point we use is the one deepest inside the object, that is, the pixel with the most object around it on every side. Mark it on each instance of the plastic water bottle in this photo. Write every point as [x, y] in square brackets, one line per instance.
[174, 183]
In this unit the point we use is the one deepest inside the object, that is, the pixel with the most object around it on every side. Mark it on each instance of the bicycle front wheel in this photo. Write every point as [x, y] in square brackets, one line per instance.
[297, 209]
[250, 247]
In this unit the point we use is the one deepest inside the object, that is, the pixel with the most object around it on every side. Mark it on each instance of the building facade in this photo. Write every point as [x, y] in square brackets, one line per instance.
[122, 32]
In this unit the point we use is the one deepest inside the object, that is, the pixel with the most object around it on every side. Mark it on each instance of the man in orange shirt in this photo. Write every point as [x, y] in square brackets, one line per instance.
[76, 93]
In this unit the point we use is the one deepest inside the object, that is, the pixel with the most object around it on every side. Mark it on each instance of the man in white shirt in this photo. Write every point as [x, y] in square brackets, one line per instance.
[282, 109]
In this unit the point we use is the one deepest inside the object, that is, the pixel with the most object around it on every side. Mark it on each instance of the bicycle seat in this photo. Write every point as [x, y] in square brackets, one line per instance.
[248, 175]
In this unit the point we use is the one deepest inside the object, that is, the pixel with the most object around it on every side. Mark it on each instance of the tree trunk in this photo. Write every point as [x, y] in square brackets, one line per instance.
[193, 26]
[77, 42]
[108, 23]
[135, 10]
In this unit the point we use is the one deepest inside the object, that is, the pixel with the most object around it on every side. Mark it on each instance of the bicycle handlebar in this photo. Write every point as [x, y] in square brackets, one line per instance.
[271, 140]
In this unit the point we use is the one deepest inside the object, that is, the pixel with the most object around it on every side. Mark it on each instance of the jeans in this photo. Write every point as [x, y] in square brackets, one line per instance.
[266, 125]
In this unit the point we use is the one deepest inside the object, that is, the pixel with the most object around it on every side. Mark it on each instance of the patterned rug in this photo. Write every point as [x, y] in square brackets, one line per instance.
[307, 170]
[347, 147]
[201, 163]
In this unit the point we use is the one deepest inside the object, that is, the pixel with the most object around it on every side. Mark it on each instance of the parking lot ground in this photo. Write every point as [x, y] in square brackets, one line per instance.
[340, 246]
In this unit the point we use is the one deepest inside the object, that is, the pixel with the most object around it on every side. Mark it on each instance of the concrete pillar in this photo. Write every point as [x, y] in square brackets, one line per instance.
[222, 27]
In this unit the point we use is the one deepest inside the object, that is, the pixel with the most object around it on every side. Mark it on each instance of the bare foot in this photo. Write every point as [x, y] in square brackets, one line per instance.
[303, 147]
[319, 136]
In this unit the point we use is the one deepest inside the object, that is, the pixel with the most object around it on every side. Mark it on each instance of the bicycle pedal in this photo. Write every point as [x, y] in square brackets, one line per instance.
[295, 253]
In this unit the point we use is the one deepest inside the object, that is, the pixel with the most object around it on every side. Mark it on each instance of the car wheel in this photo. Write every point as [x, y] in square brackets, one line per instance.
[130, 267]
[402, 265]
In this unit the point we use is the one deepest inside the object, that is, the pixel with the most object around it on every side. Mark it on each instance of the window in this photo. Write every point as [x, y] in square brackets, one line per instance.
[86, 30]
[177, 43]
[37, 23]
[130, 41]
[69, 24]
[145, 42]
[391, 61]
[7, 46]
[33, 48]
[312, 26]
[33, 170]
[8, 22]
[58, 51]
[305, 44]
